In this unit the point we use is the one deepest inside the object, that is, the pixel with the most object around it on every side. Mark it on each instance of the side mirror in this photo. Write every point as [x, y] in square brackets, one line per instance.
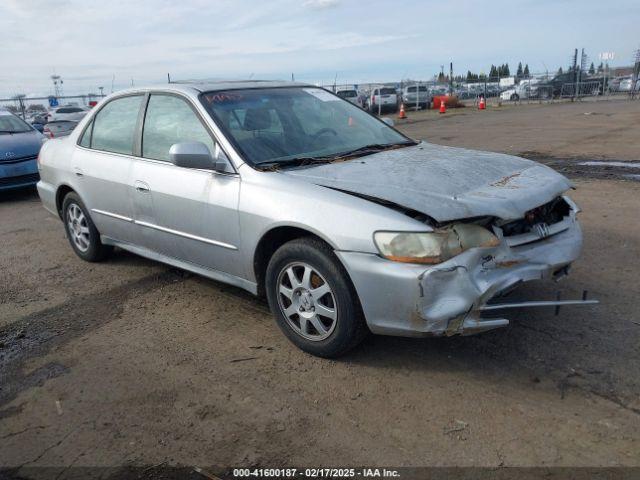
[222, 163]
[388, 121]
[191, 155]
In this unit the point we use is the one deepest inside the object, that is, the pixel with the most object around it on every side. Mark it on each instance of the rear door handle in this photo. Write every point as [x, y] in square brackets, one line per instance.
[141, 187]
[78, 171]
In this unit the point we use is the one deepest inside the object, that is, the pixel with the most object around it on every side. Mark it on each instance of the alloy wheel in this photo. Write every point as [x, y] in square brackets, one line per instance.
[78, 227]
[307, 301]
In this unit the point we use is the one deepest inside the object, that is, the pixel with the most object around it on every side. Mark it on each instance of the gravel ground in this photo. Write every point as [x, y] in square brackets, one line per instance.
[130, 362]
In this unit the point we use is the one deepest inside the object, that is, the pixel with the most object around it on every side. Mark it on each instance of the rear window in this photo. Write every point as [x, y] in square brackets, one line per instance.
[69, 110]
[388, 91]
[347, 94]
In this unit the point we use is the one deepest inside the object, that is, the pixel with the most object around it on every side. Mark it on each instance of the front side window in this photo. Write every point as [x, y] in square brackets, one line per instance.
[115, 125]
[170, 120]
[286, 124]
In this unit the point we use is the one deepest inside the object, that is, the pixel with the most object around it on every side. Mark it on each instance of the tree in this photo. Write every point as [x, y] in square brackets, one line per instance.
[526, 71]
[600, 67]
[519, 72]
[592, 69]
[560, 72]
[493, 72]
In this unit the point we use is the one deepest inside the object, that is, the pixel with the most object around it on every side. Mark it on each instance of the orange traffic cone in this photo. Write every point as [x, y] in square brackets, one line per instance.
[482, 105]
[443, 107]
[402, 115]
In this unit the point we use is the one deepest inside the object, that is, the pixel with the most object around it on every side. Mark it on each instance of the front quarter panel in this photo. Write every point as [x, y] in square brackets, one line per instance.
[269, 200]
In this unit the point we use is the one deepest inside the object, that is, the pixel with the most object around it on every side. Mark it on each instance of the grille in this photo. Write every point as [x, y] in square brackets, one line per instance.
[22, 179]
[17, 160]
[549, 213]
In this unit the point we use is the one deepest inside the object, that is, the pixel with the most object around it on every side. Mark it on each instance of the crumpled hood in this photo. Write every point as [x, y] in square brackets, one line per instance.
[445, 183]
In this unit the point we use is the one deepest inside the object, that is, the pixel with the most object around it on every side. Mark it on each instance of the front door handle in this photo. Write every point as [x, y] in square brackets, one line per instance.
[141, 187]
[77, 171]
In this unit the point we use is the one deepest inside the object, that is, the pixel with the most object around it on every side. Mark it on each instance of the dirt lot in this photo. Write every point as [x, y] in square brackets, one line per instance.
[132, 362]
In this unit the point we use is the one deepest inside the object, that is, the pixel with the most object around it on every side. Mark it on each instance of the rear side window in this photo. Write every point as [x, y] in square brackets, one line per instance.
[170, 120]
[114, 126]
[85, 141]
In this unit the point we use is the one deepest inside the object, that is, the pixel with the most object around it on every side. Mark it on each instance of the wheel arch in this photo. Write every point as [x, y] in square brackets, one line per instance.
[270, 241]
[62, 191]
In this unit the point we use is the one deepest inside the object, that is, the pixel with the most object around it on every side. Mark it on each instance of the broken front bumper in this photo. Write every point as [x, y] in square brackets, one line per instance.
[447, 299]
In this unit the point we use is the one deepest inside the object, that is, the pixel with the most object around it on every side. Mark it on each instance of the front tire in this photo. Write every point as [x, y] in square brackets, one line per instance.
[81, 231]
[313, 300]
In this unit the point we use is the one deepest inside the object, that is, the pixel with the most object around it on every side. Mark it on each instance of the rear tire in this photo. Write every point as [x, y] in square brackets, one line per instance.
[312, 298]
[81, 231]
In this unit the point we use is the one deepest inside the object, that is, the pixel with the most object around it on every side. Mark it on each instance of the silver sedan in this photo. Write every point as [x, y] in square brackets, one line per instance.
[288, 191]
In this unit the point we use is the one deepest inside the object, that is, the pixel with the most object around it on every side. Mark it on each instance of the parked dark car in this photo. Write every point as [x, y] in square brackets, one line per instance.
[19, 147]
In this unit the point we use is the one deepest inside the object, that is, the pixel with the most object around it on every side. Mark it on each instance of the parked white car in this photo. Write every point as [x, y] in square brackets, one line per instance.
[383, 99]
[350, 95]
[67, 112]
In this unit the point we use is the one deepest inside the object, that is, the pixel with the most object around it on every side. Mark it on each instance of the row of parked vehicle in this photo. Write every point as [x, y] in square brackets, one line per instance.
[388, 99]
[21, 140]
[59, 121]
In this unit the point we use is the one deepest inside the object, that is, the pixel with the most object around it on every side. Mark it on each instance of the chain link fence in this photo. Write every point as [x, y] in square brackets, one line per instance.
[30, 107]
[535, 88]
[573, 85]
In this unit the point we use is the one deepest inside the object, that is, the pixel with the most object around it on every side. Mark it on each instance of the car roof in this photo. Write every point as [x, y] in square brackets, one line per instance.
[212, 86]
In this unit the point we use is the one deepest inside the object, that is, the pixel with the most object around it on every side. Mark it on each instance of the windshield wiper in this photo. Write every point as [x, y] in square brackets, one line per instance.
[372, 148]
[309, 160]
[293, 162]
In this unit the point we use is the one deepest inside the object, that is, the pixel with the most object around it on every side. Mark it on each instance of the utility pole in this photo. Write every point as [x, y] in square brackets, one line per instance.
[57, 85]
[636, 74]
[575, 74]
[450, 78]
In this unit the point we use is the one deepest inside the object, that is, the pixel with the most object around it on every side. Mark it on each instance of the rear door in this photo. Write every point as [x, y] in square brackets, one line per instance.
[188, 214]
[102, 163]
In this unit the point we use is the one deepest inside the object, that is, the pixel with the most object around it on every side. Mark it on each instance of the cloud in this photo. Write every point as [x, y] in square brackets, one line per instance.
[314, 39]
[321, 4]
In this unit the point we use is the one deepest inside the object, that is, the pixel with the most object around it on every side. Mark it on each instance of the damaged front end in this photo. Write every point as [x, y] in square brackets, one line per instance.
[454, 293]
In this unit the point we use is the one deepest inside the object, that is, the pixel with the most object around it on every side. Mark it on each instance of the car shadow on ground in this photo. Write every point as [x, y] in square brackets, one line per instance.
[26, 194]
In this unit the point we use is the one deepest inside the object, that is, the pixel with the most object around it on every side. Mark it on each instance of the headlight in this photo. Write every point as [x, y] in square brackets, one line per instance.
[433, 247]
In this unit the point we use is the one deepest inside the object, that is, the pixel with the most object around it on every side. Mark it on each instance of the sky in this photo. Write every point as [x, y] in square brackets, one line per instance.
[119, 42]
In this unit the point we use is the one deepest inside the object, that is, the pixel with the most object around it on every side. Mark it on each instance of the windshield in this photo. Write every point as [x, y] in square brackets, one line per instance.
[286, 125]
[12, 124]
